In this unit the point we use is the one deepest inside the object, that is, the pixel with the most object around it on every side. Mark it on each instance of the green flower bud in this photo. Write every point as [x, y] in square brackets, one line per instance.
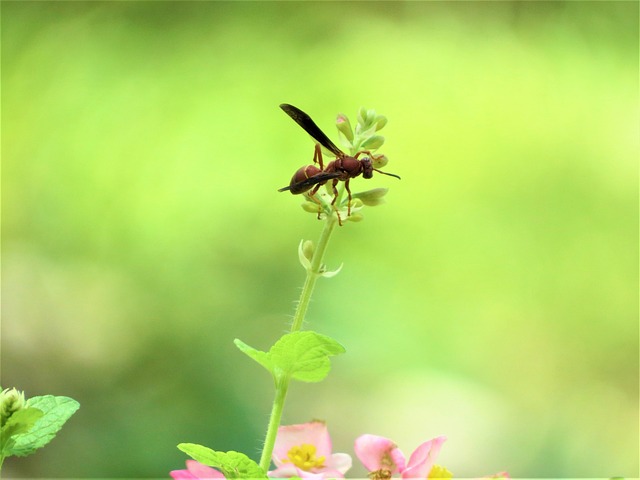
[362, 117]
[356, 204]
[372, 197]
[311, 207]
[373, 143]
[379, 161]
[381, 121]
[356, 217]
[371, 117]
[307, 249]
[11, 400]
[344, 126]
[305, 253]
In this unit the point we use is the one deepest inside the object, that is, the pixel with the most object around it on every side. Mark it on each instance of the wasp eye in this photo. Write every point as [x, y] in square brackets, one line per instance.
[367, 168]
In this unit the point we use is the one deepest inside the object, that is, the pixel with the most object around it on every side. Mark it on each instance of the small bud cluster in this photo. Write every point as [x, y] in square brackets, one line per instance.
[364, 136]
[11, 400]
[364, 140]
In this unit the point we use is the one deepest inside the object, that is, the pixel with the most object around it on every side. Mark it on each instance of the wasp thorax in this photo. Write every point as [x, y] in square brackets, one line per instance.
[350, 165]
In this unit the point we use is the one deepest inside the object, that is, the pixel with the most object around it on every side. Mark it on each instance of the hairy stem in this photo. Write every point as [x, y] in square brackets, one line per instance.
[298, 319]
[274, 423]
[313, 273]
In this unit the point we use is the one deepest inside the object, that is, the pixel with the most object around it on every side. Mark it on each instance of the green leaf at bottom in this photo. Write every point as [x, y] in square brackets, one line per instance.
[231, 464]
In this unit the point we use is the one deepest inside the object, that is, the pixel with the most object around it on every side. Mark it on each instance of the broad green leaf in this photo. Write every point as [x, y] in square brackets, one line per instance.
[304, 355]
[231, 464]
[19, 423]
[56, 411]
[259, 356]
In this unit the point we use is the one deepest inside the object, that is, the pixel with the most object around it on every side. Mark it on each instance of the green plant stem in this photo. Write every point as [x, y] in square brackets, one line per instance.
[282, 385]
[274, 423]
[313, 273]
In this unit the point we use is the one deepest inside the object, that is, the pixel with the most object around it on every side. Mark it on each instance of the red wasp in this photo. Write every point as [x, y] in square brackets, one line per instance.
[342, 169]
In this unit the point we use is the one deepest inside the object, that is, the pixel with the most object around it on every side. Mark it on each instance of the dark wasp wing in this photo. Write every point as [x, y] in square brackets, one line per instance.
[306, 184]
[311, 128]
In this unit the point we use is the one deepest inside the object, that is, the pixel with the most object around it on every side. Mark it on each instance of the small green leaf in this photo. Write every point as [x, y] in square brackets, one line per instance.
[22, 421]
[372, 197]
[304, 355]
[330, 273]
[56, 411]
[231, 464]
[259, 356]
[373, 142]
[19, 423]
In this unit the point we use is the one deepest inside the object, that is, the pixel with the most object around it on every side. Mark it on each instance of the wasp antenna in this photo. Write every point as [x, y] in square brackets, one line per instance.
[386, 173]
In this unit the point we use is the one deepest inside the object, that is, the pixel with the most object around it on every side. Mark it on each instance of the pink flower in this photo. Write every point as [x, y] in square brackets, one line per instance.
[196, 471]
[304, 451]
[383, 458]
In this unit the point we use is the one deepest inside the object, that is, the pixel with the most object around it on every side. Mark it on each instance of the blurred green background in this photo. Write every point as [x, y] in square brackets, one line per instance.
[493, 299]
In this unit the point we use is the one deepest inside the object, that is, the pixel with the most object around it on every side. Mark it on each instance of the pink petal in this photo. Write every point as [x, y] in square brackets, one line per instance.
[423, 458]
[338, 461]
[309, 475]
[324, 474]
[202, 471]
[289, 471]
[196, 471]
[182, 475]
[312, 433]
[378, 453]
[285, 471]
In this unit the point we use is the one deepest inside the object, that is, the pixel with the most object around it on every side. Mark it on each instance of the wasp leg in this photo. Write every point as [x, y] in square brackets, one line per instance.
[312, 196]
[371, 155]
[335, 197]
[346, 186]
[317, 156]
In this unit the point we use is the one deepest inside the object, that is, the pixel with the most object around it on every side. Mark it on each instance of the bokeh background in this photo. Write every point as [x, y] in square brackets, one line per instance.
[493, 298]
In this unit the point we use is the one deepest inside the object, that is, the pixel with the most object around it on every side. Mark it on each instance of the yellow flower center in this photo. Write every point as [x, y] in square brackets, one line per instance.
[438, 472]
[382, 474]
[304, 457]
